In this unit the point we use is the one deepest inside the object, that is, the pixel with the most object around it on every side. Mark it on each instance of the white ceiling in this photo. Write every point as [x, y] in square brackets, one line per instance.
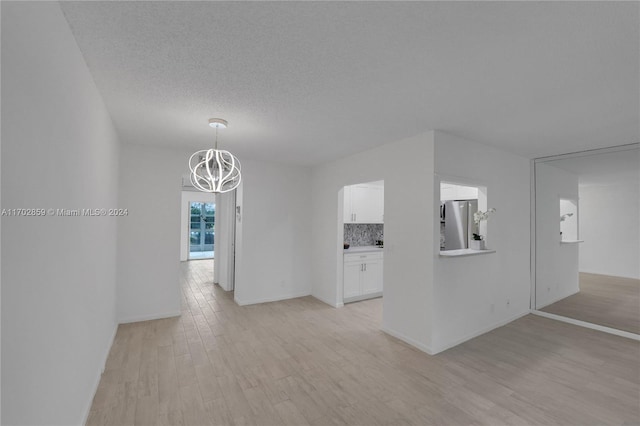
[618, 167]
[313, 81]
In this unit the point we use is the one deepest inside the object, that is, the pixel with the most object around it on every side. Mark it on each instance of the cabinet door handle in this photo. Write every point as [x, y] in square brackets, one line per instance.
[365, 266]
[361, 267]
[354, 217]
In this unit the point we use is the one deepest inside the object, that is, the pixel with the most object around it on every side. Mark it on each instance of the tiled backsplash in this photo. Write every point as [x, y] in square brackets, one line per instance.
[358, 234]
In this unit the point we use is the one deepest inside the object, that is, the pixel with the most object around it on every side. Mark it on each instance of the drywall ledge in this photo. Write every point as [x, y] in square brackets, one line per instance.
[571, 241]
[464, 252]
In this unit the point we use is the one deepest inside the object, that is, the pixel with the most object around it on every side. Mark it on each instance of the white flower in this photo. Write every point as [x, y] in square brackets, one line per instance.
[565, 216]
[479, 216]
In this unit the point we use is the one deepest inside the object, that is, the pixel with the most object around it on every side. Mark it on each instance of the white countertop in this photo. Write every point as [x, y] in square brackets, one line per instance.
[362, 249]
[464, 252]
[571, 241]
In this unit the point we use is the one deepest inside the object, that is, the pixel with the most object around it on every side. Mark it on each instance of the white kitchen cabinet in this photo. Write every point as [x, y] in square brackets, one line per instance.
[449, 191]
[372, 277]
[364, 203]
[467, 193]
[348, 212]
[362, 276]
[352, 272]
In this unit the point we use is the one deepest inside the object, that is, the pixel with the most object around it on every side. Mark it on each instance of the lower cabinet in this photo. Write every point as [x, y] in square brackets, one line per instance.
[362, 276]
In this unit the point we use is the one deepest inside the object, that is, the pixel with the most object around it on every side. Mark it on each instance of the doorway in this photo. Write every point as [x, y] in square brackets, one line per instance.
[208, 230]
[361, 229]
[197, 225]
[202, 218]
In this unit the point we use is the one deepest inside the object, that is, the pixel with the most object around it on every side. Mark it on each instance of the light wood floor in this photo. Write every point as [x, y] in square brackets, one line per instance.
[300, 362]
[604, 300]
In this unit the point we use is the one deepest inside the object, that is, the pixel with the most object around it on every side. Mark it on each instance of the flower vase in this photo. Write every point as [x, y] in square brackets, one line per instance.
[476, 245]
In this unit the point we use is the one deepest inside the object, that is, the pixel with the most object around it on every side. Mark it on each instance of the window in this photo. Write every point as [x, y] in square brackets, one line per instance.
[201, 227]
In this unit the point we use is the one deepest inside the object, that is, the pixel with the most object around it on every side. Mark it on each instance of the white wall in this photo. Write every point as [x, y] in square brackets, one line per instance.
[610, 228]
[406, 167]
[556, 264]
[149, 237]
[0, 235]
[471, 293]
[274, 235]
[187, 198]
[59, 150]
[225, 240]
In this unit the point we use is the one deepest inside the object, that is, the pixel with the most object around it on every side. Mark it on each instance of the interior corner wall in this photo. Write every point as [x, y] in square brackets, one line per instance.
[475, 294]
[274, 233]
[225, 240]
[149, 235]
[610, 228]
[59, 151]
[556, 264]
[406, 167]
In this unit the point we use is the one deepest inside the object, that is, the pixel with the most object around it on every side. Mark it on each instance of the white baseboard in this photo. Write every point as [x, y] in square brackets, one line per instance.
[106, 355]
[272, 299]
[592, 326]
[323, 300]
[408, 340]
[150, 317]
[483, 330]
[223, 287]
[559, 298]
[99, 376]
[363, 297]
[610, 275]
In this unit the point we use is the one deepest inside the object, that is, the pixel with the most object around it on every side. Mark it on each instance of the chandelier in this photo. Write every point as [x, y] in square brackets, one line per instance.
[215, 170]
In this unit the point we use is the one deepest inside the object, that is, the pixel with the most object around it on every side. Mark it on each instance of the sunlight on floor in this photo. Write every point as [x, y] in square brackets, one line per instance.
[200, 255]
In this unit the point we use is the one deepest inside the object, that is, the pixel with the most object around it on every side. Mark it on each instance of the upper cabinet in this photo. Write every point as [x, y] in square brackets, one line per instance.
[364, 203]
[451, 192]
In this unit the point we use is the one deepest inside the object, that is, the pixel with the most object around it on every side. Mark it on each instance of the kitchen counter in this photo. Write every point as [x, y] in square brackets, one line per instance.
[465, 252]
[362, 249]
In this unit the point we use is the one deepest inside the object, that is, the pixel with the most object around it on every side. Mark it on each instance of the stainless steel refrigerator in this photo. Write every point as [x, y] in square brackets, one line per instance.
[457, 218]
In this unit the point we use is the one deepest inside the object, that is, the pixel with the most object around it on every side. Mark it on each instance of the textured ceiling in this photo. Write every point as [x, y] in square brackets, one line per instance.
[313, 81]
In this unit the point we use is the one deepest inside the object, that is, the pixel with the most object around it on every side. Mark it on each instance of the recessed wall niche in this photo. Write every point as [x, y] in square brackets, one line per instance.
[459, 201]
[568, 219]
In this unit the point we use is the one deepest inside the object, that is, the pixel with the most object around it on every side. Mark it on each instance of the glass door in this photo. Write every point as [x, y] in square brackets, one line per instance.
[201, 230]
